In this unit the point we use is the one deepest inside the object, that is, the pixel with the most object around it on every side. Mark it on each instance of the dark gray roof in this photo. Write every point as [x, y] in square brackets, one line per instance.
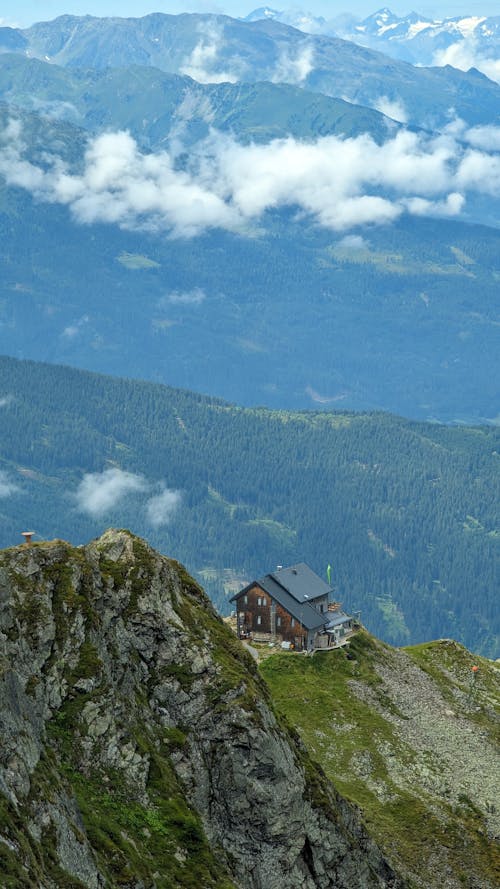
[306, 614]
[302, 583]
[299, 609]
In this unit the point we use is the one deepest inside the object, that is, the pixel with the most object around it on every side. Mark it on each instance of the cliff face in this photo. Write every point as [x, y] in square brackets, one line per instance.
[138, 747]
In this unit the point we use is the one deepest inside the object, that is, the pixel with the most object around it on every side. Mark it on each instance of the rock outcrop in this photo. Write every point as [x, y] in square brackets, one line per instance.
[138, 746]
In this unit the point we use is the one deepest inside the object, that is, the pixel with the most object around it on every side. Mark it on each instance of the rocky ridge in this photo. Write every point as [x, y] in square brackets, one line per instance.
[138, 745]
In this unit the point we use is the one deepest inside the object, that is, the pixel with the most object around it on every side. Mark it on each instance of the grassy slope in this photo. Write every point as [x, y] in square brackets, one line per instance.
[405, 736]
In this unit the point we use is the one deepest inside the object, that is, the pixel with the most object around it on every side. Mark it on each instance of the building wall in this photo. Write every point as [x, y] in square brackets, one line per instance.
[258, 614]
[320, 604]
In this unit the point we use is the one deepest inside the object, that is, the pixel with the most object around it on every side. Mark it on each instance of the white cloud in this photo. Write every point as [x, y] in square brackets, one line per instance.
[451, 206]
[72, 330]
[5, 400]
[160, 508]
[485, 137]
[323, 399]
[294, 67]
[7, 487]
[194, 106]
[354, 242]
[203, 63]
[480, 172]
[55, 108]
[393, 108]
[466, 54]
[340, 183]
[186, 298]
[98, 492]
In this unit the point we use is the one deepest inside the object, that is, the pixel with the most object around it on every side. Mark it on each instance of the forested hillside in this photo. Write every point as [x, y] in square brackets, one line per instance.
[405, 512]
[403, 318]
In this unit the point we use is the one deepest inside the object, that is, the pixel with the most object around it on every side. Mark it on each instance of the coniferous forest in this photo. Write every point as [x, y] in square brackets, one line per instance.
[405, 512]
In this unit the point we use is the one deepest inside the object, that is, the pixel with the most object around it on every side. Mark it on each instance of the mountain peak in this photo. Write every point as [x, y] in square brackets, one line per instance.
[138, 742]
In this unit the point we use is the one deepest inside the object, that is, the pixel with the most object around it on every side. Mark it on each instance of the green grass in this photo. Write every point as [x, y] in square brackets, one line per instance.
[449, 664]
[355, 743]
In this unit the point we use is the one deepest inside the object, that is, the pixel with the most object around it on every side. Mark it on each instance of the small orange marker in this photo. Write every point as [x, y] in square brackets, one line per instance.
[475, 669]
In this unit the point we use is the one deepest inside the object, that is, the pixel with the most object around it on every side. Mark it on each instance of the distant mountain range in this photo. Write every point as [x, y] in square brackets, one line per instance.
[216, 48]
[157, 107]
[463, 41]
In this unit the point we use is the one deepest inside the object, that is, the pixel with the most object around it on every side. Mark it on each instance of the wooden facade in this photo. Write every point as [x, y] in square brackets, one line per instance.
[260, 616]
[291, 606]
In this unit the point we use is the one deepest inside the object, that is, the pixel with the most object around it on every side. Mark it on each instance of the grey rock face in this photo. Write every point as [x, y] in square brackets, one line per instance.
[122, 692]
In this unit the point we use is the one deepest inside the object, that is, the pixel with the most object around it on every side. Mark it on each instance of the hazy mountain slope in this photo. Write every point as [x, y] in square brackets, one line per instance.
[138, 747]
[422, 40]
[401, 317]
[407, 513]
[217, 48]
[158, 107]
[411, 737]
[463, 41]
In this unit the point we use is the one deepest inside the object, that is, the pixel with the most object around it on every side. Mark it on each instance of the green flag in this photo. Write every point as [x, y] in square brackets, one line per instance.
[329, 574]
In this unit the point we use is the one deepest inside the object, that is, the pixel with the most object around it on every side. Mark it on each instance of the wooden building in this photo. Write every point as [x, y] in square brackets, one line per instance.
[291, 605]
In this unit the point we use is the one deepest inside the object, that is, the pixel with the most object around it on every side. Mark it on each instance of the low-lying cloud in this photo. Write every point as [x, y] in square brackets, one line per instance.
[393, 108]
[7, 486]
[192, 297]
[466, 54]
[294, 67]
[339, 182]
[487, 137]
[72, 330]
[203, 63]
[354, 242]
[161, 507]
[5, 400]
[100, 492]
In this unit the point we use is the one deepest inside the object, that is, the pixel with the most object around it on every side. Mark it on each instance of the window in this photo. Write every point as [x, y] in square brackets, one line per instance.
[292, 622]
[259, 600]
[259, 620]
[278, 621]
[264, 600]
[245, 600]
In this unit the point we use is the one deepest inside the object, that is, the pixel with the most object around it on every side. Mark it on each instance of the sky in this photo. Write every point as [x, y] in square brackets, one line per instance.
[25, 12]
